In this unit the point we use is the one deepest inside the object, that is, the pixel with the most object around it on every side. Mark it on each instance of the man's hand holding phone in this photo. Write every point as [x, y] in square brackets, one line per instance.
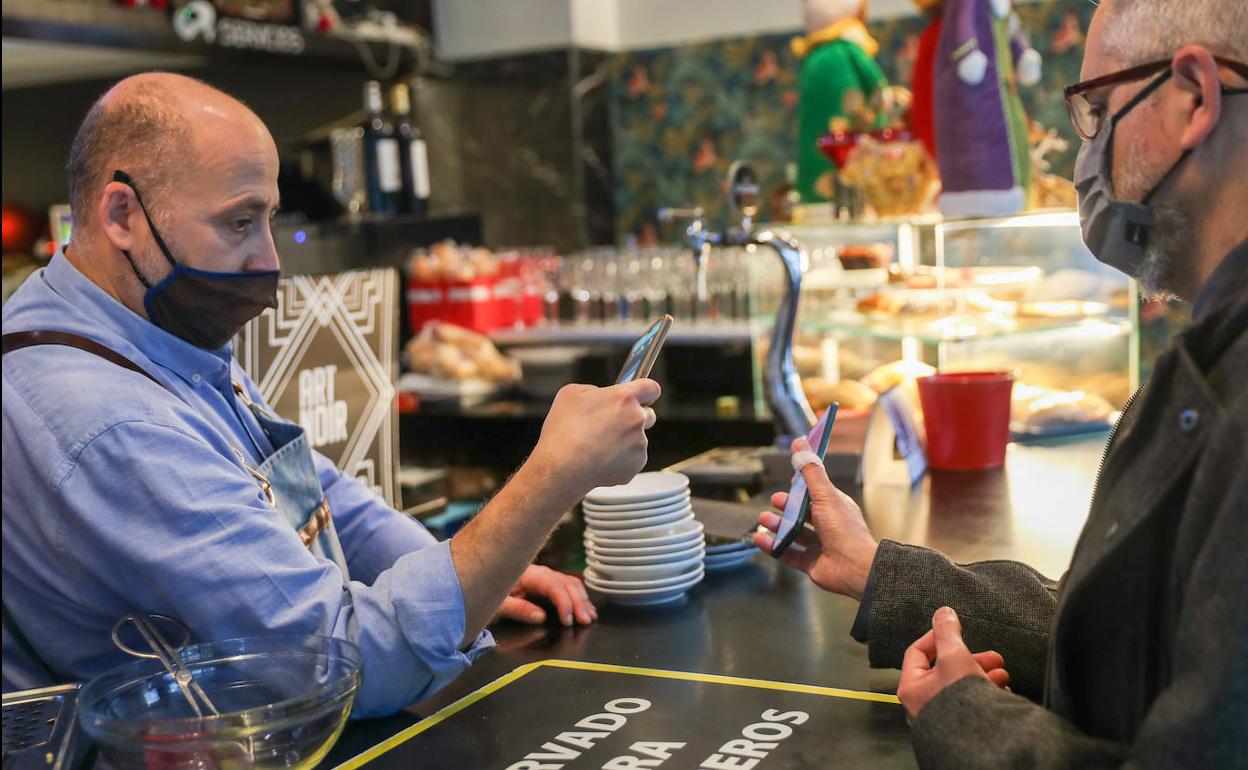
[836, 549]
[596, 436]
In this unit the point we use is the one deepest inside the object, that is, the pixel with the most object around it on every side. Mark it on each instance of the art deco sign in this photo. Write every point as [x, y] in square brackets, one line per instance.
[326, 358]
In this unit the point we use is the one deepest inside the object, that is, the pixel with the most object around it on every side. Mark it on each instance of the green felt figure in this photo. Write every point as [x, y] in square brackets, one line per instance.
[838, 84]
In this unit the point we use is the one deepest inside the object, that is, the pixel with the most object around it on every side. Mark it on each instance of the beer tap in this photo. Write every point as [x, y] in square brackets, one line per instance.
[792, 411]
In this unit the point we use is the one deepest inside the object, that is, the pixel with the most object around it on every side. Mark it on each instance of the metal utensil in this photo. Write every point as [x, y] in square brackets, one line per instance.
[167, 654]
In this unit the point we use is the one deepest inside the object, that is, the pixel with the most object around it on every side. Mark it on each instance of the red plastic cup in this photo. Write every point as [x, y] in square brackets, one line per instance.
[967, 417]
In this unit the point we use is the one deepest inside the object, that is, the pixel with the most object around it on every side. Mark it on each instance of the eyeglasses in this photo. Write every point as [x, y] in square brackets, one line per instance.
[1087, 117]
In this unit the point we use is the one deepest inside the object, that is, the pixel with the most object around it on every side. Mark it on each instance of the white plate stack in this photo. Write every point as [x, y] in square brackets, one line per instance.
[642, 544]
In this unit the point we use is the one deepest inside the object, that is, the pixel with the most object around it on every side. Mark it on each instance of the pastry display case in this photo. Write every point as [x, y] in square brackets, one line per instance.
[888, 301]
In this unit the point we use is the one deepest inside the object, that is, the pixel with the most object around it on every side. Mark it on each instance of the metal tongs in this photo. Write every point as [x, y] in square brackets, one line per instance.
[168, 656]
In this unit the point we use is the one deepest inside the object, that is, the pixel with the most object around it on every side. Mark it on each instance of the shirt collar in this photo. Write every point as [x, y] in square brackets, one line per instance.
[1234, 263]
[163, 348]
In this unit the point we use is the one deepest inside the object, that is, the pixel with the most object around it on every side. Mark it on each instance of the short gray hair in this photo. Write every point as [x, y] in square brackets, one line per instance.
[1139, 31]
[141, 132]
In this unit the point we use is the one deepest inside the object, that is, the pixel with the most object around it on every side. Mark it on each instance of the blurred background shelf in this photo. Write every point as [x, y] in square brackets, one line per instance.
[624, 333]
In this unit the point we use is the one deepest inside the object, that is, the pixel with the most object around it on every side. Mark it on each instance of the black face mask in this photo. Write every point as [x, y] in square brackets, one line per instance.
[202, 307]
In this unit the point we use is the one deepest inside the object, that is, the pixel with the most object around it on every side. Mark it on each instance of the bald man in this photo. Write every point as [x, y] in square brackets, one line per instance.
[144, 473]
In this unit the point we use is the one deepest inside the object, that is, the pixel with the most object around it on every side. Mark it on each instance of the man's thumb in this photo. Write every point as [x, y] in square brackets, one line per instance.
[948, 632]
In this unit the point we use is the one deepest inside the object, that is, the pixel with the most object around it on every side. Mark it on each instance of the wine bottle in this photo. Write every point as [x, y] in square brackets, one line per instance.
[382, 164]
[412, 151]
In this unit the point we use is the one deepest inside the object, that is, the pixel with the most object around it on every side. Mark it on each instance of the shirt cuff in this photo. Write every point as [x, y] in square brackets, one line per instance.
[426, 602]
[859, 632]
[432, 610]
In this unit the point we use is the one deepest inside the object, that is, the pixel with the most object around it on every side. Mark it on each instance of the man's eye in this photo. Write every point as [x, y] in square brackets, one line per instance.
[241, 225]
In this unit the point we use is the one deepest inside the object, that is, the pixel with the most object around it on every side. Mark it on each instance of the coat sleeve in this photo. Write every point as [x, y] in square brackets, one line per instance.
[1004, 606]
[1197, 720]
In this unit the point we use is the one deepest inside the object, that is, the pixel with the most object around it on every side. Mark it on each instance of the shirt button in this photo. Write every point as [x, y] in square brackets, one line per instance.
[1113, 530]
[1188, 419]
[195, 378]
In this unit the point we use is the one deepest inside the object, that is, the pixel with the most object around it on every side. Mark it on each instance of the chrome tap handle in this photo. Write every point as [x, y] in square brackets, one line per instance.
[794, 417]
[698, 238]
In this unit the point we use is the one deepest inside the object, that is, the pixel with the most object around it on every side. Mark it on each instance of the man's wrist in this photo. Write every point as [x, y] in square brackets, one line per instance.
[555, 482]
[862, 570]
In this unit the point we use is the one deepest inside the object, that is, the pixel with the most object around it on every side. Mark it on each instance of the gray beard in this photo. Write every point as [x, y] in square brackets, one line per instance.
[1169, 238]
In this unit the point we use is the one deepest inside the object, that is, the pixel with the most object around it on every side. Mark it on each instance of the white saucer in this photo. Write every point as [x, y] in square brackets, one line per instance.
[613, 574]
[633, 510]
[648, 597]
[730, 548]
[725, 563]
[680, 525]
[641, 557]
[648, 550]
[656, 485]
[639, 522]
[592, 578]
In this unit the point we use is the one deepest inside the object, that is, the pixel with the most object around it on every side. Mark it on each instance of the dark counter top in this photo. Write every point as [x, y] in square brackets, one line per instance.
[768, 622]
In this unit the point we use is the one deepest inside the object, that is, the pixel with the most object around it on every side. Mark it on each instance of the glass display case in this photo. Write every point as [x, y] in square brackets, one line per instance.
[887, 301]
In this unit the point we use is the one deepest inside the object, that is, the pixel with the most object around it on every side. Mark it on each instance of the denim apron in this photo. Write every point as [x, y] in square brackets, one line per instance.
[287, 477]
[289, 482]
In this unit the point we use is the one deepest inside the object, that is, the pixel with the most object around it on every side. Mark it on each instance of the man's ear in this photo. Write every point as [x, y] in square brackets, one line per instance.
[115, 211]
[1196, 76]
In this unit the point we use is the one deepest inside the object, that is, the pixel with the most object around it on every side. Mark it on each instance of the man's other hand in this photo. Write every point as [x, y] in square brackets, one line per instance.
[835, 549]
[939, 658]
[565, 592]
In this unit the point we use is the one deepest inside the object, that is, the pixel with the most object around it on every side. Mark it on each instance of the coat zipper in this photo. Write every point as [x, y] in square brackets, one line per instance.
[1100, 468]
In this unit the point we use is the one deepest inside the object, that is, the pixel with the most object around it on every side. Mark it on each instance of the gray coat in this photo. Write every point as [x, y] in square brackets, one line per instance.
[1140, 654]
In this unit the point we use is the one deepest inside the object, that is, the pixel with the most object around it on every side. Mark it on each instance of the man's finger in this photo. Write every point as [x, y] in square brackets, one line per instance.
[651, 418]
[998, 676]
[927, 643]
[554, 589]
[581, 605]
[522, 610]
[645, 390]
[948, 631]
[770, 520]
[989, 659]
[917, 657]
[779, 500]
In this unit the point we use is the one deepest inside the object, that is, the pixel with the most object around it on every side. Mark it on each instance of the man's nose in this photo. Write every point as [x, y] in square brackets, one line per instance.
[267, 257]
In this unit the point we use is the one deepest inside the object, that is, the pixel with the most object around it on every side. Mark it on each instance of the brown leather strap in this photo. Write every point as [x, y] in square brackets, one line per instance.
[18, 340]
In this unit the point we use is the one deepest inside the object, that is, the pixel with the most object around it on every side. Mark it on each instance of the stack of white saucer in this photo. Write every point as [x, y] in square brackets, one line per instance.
[642, 544]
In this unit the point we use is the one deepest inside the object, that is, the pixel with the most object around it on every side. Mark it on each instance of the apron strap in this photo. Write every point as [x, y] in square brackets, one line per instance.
[18, 340]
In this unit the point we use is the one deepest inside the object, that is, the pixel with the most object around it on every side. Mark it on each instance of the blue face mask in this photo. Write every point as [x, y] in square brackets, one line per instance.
[202, 307]
[1114, 230]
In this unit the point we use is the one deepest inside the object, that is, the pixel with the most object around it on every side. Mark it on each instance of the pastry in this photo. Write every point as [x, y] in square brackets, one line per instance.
[850, 394]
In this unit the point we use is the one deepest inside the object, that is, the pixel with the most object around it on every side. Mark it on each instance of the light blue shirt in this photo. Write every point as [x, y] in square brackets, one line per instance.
[121, 496]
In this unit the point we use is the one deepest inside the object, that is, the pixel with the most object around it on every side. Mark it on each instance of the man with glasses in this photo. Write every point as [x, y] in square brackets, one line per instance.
[1138, 656]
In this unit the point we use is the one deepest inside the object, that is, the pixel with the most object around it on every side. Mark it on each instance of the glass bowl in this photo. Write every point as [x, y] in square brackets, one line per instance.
[283, 701]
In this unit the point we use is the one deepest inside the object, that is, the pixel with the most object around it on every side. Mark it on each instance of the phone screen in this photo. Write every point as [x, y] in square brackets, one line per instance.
[645, 351]
[798, 506]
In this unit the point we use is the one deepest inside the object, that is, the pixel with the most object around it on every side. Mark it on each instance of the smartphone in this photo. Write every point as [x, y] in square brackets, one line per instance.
[798, 506]
[645, 351]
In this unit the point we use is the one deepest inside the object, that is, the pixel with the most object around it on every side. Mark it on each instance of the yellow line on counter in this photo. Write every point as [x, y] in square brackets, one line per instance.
[657, 673]
[762, 684]
[441, 715]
